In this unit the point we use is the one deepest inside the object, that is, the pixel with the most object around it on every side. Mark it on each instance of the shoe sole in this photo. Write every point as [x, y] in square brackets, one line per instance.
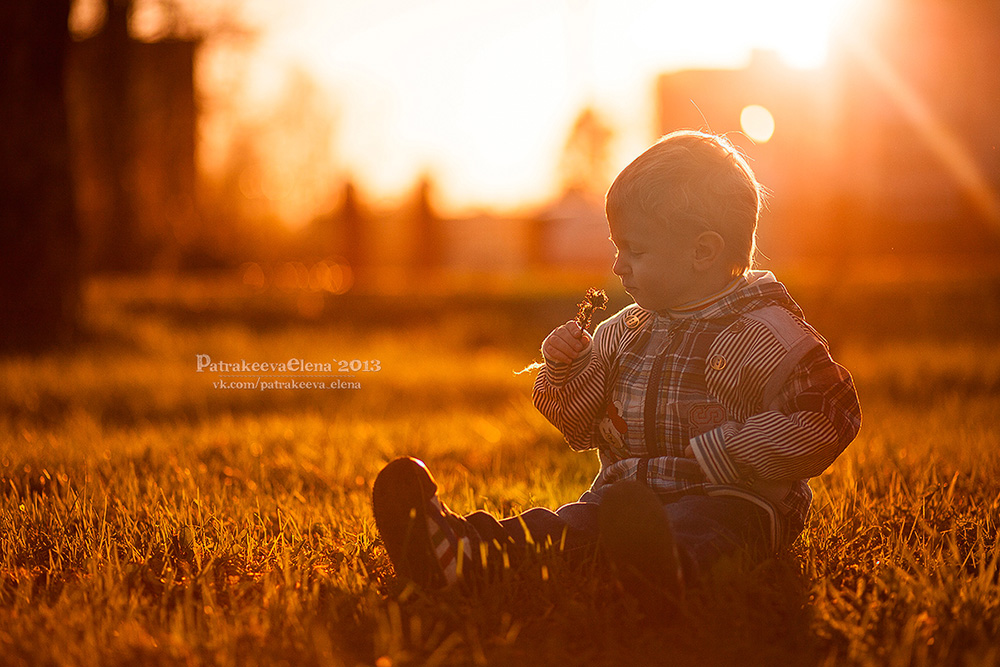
[399, 501]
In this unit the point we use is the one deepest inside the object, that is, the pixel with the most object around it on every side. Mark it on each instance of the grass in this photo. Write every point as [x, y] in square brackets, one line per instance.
[147, 517]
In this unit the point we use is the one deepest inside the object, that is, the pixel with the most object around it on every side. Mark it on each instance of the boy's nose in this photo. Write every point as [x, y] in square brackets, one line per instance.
[619, 268]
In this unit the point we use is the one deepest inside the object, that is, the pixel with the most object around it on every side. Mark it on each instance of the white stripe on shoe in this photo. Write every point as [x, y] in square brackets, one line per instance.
[448, 547]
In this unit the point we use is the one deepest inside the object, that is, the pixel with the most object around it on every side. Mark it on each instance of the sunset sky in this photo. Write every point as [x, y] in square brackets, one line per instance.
[478, 94]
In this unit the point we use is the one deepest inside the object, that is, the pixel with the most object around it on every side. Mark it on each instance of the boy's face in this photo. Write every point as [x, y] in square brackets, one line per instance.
[654, 262]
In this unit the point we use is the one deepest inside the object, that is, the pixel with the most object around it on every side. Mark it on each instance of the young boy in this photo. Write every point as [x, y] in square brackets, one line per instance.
[709, 400]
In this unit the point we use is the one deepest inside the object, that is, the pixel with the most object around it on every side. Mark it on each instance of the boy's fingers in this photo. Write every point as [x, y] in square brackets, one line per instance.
[571, 340]
[566, 343]
[568, 347]
[563, 347]
[563, 353]
[556, 355]
[580, 338]
[555, 345]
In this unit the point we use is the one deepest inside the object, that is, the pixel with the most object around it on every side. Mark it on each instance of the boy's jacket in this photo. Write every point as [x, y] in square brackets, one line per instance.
[743, 381]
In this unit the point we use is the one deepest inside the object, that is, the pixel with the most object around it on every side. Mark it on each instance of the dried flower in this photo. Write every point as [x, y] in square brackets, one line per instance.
[594, 299]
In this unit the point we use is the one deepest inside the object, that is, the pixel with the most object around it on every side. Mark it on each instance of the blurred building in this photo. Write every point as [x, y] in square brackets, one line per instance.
[571, 232]
[890, 148]
[794, 153]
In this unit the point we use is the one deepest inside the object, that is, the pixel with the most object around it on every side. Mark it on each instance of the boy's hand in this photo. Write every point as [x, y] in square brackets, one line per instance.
[565, 343]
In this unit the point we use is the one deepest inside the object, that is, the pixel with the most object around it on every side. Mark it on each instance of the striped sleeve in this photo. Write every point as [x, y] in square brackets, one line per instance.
[572, 396]
[813, 418]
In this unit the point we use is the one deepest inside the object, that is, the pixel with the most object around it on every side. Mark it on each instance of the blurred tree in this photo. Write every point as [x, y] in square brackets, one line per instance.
[342, 231]
[584, 175]
[428, 241]
[584, 165]
[39, 239]
[353, 220]
[133, 133]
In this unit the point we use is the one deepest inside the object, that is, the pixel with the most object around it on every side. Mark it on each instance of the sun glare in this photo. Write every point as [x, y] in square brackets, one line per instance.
[801, 32]
[482, 95]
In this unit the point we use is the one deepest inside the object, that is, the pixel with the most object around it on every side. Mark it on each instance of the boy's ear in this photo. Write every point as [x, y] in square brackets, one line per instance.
[708, 249]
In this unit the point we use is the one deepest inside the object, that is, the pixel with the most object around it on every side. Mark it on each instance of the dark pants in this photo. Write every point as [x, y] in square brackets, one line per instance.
[705, 528]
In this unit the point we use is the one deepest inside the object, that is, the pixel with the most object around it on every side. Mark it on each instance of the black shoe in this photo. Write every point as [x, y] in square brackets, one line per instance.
[413, 524]
[635, 535]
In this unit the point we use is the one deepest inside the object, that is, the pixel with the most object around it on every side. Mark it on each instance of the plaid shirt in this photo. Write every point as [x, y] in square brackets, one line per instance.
[741, 379]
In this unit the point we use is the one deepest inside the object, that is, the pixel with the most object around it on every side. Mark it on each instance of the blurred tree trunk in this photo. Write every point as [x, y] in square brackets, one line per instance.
[116, 131]
[39, 239]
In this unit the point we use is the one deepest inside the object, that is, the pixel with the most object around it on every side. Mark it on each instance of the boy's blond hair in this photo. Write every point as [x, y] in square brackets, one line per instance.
[696, 181]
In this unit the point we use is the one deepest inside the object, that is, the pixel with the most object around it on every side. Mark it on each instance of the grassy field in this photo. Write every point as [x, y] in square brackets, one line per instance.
[149, 517]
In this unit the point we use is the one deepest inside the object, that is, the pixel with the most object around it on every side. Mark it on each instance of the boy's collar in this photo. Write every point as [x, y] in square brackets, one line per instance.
[691, 307]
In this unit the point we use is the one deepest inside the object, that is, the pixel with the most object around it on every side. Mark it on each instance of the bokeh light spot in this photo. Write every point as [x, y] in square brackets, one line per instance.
[253, 276]
[757, 123]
